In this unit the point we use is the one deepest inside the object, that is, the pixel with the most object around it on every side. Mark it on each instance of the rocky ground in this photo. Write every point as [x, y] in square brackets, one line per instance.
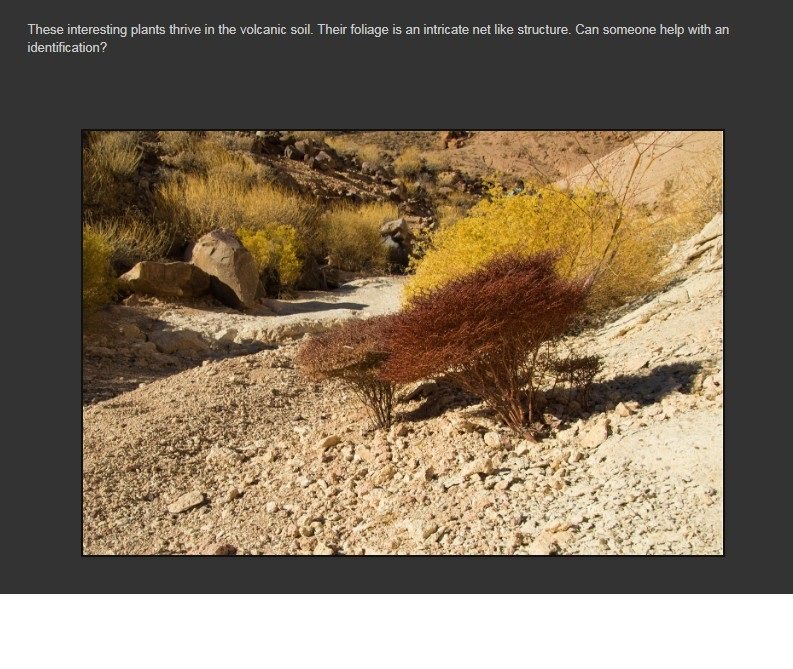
[211, 447]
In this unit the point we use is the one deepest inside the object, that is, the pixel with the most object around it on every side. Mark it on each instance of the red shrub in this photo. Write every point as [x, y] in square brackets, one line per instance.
[353, 352]
[485, 330]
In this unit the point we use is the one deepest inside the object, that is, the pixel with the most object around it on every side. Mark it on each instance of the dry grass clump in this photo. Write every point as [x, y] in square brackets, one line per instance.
[408, 163]
[351, 235]
[131, 238]
[486, 330]
[110, 162]
[98, 282]
[194, 205]
[353, 352]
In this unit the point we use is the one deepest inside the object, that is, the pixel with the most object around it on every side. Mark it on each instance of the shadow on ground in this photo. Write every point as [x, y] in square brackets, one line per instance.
[644, 388]
[285, 308]
[113, 365]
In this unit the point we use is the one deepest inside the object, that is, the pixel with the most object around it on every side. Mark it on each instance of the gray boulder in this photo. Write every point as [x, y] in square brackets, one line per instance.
[234, 277]
[166, 279]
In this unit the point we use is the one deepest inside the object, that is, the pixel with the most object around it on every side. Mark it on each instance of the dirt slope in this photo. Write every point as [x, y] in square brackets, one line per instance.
[673, 160]
[232, 456]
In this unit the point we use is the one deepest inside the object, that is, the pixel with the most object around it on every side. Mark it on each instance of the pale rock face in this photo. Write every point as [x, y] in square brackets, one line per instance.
[166, 279]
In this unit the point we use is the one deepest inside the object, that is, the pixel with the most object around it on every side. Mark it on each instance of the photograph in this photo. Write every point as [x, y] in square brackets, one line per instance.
[382, 342]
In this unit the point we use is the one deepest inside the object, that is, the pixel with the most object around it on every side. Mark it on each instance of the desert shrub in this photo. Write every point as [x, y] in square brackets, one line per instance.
[437, 162]
[194, 205]
[485, 331]
[352, 235]
[110, 163]
[276, 250]
[408, 163]
[590, 232]
[370, 153]
[98, 281]
[353, 352]
[131, 238]
[176, 141]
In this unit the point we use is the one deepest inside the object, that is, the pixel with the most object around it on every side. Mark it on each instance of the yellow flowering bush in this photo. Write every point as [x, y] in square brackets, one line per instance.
[592, 233]
[274, 247]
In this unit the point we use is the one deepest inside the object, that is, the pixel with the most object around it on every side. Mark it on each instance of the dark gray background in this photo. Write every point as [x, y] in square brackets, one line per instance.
[626, 83]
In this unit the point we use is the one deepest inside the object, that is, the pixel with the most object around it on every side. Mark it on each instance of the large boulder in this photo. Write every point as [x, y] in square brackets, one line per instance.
[234, 277]
[166, 279]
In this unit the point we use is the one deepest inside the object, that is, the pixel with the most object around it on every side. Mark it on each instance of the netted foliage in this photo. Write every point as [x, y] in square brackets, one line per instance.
[98, 280]
[353, 352]
[276, 250]
[110, 162]
[590, 231]
[352, 235]
[408, 163]
[486, 331]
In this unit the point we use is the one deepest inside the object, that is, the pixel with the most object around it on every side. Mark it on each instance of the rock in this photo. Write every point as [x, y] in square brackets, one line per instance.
[398, 228]
[231, 494]
[548, 543]
[223, 455]
[595, 434]
[422, 390]
[226, 335]
[306, 147]
[464, 425]
[132, 332]
[323, 549]
[166, 279]
[427, 474]
[399, 430]
[396, 252]
[328, 442]
[219, 549]
[423, 531]
[384, 475]
[234, 277]
[625, 409]
[493, 439]
[521, 449]
[271, 507]
[480, 466]
[189, 500]
[325, 161]
[293, 153]
[178, 341]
